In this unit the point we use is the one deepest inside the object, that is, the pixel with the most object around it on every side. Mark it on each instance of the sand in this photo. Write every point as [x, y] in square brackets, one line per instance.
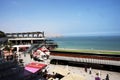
[78, 70]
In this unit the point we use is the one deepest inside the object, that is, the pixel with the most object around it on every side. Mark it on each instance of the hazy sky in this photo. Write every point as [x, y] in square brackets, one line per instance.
[66, 17]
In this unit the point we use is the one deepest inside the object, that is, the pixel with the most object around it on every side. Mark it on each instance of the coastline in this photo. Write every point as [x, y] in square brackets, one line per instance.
[89, 51]
[104, 43]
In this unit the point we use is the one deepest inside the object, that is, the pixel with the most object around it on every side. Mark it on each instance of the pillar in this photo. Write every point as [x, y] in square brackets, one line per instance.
[31, 41]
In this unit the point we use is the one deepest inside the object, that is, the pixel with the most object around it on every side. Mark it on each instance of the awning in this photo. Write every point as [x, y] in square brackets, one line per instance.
[34, 67]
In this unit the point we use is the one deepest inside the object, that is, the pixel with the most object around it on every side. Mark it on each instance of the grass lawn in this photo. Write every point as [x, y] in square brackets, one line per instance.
[89, 51]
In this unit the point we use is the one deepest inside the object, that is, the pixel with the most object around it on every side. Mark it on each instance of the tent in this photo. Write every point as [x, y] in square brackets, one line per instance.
[34, 67]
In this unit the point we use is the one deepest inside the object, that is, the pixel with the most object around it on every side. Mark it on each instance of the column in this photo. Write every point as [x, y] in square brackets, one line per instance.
[37, 35]
[31, 41]
[32, 34]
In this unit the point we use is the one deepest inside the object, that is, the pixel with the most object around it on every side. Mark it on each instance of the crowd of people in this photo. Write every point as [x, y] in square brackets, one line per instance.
[98, 77]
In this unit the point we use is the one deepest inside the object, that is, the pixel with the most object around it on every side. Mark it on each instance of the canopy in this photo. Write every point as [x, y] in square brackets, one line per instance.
[34, 67]
[74, 76]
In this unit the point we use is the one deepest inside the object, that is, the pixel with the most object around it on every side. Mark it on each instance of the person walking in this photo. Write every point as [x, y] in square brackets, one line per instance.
[107, 77]
[99, 73]
[85, 68]
[90, 70]
[97, 77]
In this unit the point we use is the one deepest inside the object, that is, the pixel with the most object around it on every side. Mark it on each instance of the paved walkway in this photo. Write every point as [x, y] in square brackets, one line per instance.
[79, 70]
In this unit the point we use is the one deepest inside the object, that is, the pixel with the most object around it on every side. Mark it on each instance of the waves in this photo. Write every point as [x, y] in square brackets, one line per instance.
[90, 42]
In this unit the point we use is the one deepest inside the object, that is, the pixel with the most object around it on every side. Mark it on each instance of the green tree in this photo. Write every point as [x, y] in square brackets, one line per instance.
[2, 34]
[7, 48]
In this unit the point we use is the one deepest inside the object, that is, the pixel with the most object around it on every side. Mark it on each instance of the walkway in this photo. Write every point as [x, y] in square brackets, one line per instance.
[80, 70]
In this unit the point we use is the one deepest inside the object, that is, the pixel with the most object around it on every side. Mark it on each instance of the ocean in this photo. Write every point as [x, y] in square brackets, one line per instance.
[89, 42]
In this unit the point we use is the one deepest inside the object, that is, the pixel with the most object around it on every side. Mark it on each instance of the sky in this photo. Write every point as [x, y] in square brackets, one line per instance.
[61, 17]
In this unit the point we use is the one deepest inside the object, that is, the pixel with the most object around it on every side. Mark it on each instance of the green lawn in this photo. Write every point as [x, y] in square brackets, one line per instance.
[89, 51]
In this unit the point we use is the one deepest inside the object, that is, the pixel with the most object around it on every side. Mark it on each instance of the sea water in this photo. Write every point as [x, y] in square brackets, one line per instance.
[89, 42]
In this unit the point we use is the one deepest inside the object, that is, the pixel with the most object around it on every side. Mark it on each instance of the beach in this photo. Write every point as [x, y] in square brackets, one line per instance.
[76, 70]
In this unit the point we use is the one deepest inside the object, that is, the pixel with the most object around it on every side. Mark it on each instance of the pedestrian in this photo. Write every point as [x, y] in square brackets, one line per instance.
[97, 76]
[85, 68]
[90, 70]
[24, 54]
[107, 77]
[31, 56]
[99, 73]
